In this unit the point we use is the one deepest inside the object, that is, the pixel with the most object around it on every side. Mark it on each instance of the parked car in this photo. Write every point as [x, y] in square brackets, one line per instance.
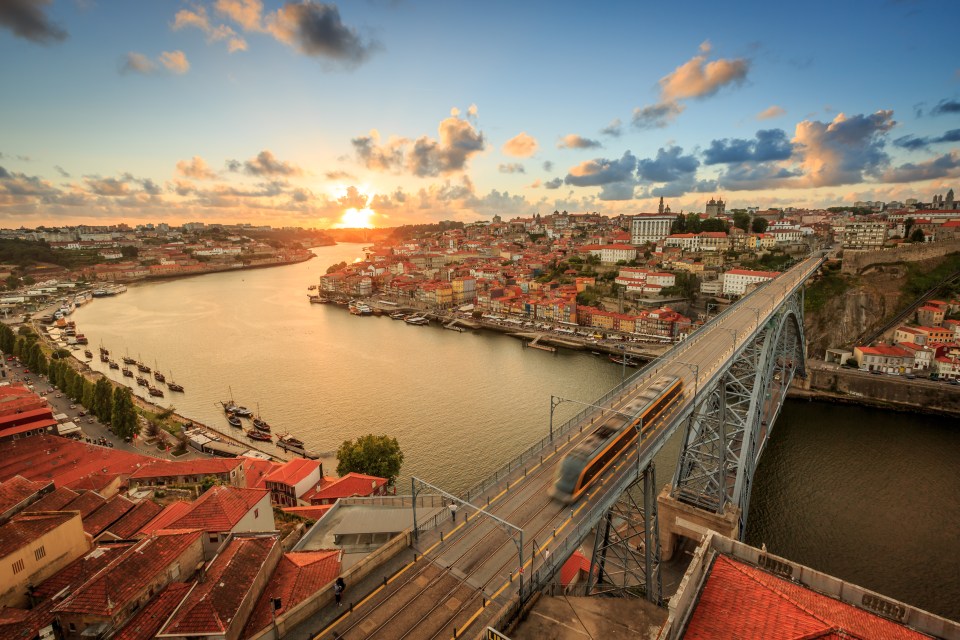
[81, 414]
[877, 372]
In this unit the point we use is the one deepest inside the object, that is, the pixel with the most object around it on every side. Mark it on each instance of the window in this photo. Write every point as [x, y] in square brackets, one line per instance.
[73, 628]
[256, 513]
[214, 538]
[17, 566]
[39, 552]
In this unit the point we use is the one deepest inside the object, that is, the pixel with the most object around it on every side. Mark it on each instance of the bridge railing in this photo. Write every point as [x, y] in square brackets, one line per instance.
[534, 451]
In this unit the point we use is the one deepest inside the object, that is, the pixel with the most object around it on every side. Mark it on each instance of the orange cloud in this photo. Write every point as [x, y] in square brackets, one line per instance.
[521, 145]
[698, 78]
[175, 61]
[196, 168]
[771, 112]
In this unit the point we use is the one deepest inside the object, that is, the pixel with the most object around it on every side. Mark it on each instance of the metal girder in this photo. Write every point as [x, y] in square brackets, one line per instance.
[731, 418]
[626, 550]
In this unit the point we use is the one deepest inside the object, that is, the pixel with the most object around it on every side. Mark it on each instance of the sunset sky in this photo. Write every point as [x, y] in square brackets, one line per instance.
[386, 112]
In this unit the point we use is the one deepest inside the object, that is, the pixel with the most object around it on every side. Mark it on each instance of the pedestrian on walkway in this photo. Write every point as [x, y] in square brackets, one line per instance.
[453, 511]
[338, 588]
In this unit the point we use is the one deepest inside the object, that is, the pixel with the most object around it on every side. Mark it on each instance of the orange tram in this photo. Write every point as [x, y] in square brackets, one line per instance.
[597, 451]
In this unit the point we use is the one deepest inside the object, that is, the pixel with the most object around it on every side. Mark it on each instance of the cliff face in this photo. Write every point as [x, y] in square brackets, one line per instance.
[843, 319]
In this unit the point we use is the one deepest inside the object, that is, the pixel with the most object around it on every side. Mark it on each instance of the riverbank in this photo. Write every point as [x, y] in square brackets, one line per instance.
[839, 385]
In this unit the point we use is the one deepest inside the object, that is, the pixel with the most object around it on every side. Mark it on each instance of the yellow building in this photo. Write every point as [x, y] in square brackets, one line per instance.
[33, 547]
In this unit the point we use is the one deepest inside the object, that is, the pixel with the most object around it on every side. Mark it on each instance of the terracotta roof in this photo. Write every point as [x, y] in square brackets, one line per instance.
[146, 624]
[169, 514]
[576, 563]
[18, 489]
[213, 604]
[298, 576]
[352, 484]
[198, 467]
[256, 470]
[113, 587]
[54, 501]
[742, 601]
[80, 570]
[113, 510]
[93, 482]
[63, 460]
[219, 509]
[132, 521]
[293, 471]
[86, 503]
[314, 512]
[21, 624]
[25, 528]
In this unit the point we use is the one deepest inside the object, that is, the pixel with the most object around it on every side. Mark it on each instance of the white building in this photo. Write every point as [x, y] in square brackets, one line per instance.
[737, 281]
[650, 228]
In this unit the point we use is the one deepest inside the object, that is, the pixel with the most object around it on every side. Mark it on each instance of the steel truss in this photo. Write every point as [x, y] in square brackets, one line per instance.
[733, 415]
[626, 550]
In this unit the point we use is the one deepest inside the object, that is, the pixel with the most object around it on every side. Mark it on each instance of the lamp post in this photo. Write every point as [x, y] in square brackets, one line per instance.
[556, 400]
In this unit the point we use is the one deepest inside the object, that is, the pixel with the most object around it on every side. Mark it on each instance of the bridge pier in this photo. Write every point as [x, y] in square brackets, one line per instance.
[678, 519]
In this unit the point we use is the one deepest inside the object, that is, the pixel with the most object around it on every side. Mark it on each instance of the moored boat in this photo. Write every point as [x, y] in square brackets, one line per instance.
[290, 440]
[104, 358]
[416, 320]
[142, 368]
[156, 392]
[87, 353]
[142, 381]
[159, 377]
[260, 425]
[114, 365]
[127, 373]
[624, 360]
[234, 421]
[253, 434]
[129, 360]
[173, 386]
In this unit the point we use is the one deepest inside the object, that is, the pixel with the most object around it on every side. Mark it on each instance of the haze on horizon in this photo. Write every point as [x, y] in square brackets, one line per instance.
[383, 113]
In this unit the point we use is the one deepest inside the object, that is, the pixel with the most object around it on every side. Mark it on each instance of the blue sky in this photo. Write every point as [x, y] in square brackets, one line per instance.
[388, 112]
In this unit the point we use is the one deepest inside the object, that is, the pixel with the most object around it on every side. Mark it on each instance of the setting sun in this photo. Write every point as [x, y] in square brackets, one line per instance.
[355, 219]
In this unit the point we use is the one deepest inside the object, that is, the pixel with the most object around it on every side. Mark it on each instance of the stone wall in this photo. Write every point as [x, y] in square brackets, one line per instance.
[884, 391]
[855, 261]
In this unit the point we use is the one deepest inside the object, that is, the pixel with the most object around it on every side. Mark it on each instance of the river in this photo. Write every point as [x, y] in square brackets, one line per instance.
[865, 495]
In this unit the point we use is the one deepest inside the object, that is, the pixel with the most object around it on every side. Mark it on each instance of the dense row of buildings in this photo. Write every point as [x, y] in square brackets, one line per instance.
[87, 548]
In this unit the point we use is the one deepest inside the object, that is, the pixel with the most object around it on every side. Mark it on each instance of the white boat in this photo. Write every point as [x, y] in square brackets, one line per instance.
[416, 320]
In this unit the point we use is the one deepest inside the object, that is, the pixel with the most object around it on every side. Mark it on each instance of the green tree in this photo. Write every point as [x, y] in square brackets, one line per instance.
[741, 220]
[88, 394]
[693, 223]
[102, 399]
[917, 236]
[371, 455]
[679, 224]
[129, 251]
[759, 225]
[123, 414]
[713, 224]
[907, 226]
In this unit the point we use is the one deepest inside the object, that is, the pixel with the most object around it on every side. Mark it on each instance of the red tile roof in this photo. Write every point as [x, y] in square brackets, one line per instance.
[741, 601]
[25, 528]
[170, 514]
[86, 503]
[54, 501]
[213, 604]
[314, 512]
[298, 576]
[198, 467]
[80, 570]
[97, 522]
[18, 489]
[132, 521]
[146, 624]
[113, 587]
[573, 566]
[93, 482]
[352, 484]
[293, 471]
[21, 624]
[63, 460]
[219, 509]
[256, 471]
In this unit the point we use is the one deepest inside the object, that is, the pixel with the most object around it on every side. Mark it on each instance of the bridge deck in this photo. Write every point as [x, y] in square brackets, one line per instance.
[468, 571]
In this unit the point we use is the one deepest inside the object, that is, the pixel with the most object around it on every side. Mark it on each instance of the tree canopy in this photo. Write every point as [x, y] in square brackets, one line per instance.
[123, 416]
[371, 455]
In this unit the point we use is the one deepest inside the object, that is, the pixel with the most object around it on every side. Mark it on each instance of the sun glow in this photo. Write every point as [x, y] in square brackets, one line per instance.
[355, 219]
[356, 213]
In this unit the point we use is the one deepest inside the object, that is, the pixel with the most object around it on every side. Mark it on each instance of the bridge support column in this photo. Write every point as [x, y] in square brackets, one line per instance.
[678, 519]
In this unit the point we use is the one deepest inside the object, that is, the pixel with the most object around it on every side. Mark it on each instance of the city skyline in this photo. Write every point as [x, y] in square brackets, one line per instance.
[387, 113]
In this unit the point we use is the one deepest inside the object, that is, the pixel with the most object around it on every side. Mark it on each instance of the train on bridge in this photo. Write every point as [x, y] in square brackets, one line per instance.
[601, 448]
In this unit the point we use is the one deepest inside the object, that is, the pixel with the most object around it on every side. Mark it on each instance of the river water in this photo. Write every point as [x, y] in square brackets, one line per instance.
[865, 495]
